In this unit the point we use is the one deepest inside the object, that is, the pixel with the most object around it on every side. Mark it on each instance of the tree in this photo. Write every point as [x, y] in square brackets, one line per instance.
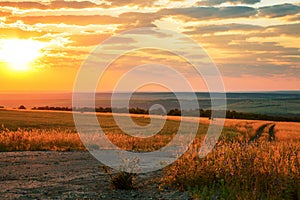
[22, 107]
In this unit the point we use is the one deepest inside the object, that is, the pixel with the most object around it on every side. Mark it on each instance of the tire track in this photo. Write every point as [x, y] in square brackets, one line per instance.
[272, 133]
[260, 131]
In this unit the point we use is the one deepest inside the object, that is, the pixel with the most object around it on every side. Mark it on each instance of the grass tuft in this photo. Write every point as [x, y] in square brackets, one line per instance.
[121, 180]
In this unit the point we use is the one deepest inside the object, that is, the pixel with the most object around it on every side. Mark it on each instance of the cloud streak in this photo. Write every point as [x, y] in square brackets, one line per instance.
[218, 2]
[67, 19]
[203, 13]
[281, 10]
[58, 4]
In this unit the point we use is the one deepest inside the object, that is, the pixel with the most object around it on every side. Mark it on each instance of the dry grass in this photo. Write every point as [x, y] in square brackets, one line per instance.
[234, 169]
[39, 140]
[283, 130]
[287, 131]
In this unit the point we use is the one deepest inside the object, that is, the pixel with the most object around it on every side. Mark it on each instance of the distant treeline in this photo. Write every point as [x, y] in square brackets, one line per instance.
[99, 109]
[230, 114]
[52, 108]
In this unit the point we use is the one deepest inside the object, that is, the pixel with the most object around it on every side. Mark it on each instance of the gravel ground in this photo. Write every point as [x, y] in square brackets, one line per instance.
[69, 175]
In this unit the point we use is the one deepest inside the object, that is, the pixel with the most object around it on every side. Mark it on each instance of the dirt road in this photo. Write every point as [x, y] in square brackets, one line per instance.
[68, 175]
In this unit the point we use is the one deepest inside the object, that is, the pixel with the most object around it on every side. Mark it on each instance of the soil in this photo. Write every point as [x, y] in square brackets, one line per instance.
[70, 175]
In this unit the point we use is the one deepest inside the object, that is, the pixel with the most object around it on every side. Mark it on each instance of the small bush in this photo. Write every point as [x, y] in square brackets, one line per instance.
[22, 107]
[121, 180]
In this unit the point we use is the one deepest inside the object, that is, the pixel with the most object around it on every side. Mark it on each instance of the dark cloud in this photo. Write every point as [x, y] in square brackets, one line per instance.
[240, 53]
[218, 2]
[211, 12]
[136, 19]
[57, 4]
[269, 48]
[222, 28]
[258, 69]
[287, 29]
[281, 10]
[67, 19]
[294, 18]
[247, 30]
[259, 59]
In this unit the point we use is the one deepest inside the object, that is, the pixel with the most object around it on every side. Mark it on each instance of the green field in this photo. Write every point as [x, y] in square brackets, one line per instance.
[36, 120]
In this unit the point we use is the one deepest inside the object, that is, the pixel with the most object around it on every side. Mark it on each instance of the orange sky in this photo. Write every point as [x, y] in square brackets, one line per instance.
[254, 43]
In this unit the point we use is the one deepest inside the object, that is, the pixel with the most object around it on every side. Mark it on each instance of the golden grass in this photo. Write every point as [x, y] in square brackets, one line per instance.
[237, 170]
[234, 169]
[37, 139]
[287, 131]
[127, 142]
[283, 130]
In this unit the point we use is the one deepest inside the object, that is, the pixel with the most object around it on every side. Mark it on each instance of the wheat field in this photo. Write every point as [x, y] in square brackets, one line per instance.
[236, 168]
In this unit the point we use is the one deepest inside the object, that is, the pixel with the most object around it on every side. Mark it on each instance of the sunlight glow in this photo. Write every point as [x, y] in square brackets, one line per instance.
[19, 54]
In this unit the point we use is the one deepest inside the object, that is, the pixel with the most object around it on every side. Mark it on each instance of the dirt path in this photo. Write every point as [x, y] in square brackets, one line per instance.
[68, 175]
[260, 131]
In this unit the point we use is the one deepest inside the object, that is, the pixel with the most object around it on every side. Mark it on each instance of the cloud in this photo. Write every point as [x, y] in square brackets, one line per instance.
[5, 13]
[287, 29]
[139, 3]
[57, 4]
[294, 18]
[233, 31]
[201, 13]
[18, 33]
[136, 19]
[73, 4]
[250, 49]
[153, 33]
[281, 10]
[218, 2]
[121, 40]
[258, 70]
[88, 40]
[261, 59]
[23, 5]
[67, 19]
[211, 29]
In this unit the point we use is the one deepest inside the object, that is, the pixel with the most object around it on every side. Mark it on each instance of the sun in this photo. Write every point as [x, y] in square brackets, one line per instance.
[19, 54]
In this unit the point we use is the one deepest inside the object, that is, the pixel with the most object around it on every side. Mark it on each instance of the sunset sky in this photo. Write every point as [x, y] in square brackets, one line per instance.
[254, 43]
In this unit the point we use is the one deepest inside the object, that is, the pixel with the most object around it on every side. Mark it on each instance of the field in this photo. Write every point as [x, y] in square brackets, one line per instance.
[251, 160]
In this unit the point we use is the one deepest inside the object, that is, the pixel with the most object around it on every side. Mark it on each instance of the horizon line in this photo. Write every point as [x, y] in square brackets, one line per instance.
[66, 92]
